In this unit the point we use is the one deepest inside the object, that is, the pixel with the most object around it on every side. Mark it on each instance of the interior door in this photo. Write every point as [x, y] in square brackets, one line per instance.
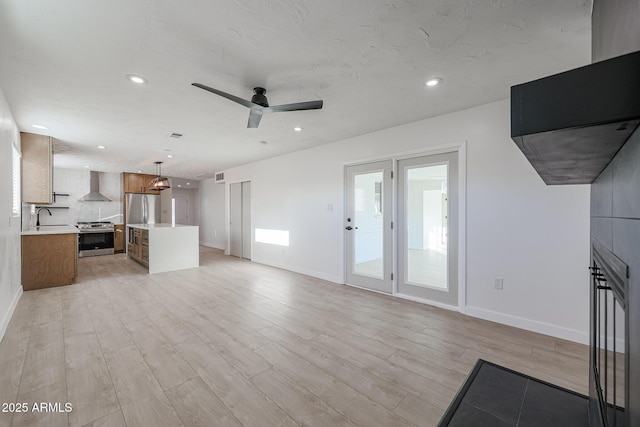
[240, 226]
[246, 220]
[235, 225]
[182, 210]
[427, 228]
[368, 228]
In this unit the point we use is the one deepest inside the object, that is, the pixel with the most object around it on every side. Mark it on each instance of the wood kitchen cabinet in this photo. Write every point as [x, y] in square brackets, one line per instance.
[37, 168]
[137, 183]
[138, 245]
[118, 238]
[49, 260]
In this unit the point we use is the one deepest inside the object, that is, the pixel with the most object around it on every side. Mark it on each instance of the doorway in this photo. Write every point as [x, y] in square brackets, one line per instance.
[428, 228]
[183, 216]
[424, 242]
[240, 224]
[368, 226]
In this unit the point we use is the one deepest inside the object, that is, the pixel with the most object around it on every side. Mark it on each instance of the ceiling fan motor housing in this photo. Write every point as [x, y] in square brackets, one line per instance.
[259, 97]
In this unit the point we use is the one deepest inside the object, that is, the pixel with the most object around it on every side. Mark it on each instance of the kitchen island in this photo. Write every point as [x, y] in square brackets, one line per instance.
[49, 256]
[164, 247]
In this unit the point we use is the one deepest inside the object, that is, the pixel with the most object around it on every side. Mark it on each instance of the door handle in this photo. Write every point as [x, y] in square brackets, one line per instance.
[348, 228]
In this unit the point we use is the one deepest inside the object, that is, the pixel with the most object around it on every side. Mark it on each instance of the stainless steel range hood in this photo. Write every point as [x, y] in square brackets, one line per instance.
[94, 194]
[570, 125]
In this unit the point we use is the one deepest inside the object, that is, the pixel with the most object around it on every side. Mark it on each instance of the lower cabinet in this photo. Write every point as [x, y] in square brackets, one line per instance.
[49, 260]
[138, 245]
[118, 238]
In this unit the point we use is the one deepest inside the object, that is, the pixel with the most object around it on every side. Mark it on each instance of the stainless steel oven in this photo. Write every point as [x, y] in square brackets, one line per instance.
[95, 238]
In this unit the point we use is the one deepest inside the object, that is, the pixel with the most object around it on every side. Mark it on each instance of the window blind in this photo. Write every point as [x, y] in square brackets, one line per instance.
[16, 182]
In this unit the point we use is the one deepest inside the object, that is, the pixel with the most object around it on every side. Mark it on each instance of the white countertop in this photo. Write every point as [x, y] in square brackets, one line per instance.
[50, 229]
[159, 225]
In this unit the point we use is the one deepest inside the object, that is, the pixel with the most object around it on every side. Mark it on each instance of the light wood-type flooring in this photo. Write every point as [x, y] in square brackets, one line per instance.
[235, 343]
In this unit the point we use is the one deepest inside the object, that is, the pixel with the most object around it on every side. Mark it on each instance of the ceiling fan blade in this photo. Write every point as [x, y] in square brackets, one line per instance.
[254, 118]
[230, 97]
[309, 105]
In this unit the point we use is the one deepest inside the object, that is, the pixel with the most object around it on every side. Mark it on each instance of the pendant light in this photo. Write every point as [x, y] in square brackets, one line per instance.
[159, 182]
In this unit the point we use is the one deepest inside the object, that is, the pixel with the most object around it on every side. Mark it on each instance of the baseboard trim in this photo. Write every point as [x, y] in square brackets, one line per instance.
[528, 324]
[9, 314]
[213, 245]
[306, 272]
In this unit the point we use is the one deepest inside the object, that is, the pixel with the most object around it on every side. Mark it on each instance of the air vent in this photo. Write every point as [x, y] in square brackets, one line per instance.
[219, 178]
[175, 135]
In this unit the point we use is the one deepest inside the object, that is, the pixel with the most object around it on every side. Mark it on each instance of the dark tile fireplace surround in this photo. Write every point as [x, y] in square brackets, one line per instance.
[615, 234]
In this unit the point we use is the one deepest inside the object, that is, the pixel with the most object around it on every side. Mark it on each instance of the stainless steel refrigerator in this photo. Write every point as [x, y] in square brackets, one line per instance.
[142, 208]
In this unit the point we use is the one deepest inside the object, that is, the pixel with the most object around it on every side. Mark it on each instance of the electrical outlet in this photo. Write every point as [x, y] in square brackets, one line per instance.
[497, 283]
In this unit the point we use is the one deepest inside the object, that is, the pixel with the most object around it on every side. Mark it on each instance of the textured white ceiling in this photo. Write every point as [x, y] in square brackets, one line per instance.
[63, 65]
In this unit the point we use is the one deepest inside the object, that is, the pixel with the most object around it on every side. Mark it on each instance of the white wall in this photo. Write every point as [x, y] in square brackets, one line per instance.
[534, 236]
[10, 260]
[212, 214]
[194, 202]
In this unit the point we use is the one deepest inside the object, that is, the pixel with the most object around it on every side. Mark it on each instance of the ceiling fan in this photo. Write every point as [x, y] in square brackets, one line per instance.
[259, 104]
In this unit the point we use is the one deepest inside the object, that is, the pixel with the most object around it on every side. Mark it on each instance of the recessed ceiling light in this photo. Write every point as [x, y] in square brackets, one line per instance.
[297, 129]
[170, 156]
[102, 147]
[40, 127]
[139, 171]
[86, 166]
[434, 81]
[188, 183]
[179, 185]
[136, 79]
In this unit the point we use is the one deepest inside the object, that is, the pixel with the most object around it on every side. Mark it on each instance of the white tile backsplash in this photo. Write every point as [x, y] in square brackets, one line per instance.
[76, 183]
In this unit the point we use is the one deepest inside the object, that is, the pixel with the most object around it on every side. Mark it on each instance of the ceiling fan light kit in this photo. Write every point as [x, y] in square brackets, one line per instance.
[260, 105]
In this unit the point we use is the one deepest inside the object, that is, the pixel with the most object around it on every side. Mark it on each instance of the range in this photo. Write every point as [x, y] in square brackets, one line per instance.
[95, 238]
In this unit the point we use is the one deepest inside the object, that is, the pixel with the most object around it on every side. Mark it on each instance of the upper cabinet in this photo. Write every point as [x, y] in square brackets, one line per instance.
[37, 168]
[137, 183]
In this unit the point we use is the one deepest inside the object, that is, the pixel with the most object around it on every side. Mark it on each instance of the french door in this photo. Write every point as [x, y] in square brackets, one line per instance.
[367, 225]
[426, 235]
[428, 228]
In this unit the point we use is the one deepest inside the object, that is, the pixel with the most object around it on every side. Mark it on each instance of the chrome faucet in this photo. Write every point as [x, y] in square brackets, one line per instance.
[38, 215]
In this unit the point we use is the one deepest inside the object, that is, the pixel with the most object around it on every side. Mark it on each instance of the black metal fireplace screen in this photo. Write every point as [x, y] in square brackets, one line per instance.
[609, 350]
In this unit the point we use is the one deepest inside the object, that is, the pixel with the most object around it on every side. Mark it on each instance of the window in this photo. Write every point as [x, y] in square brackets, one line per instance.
[16, 181]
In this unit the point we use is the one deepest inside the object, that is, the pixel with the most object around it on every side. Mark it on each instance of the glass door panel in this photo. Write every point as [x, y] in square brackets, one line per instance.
[426, 251]
[368, 244]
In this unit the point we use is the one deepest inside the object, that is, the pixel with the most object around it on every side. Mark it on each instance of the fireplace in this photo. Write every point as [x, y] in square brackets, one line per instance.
[609, 349]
